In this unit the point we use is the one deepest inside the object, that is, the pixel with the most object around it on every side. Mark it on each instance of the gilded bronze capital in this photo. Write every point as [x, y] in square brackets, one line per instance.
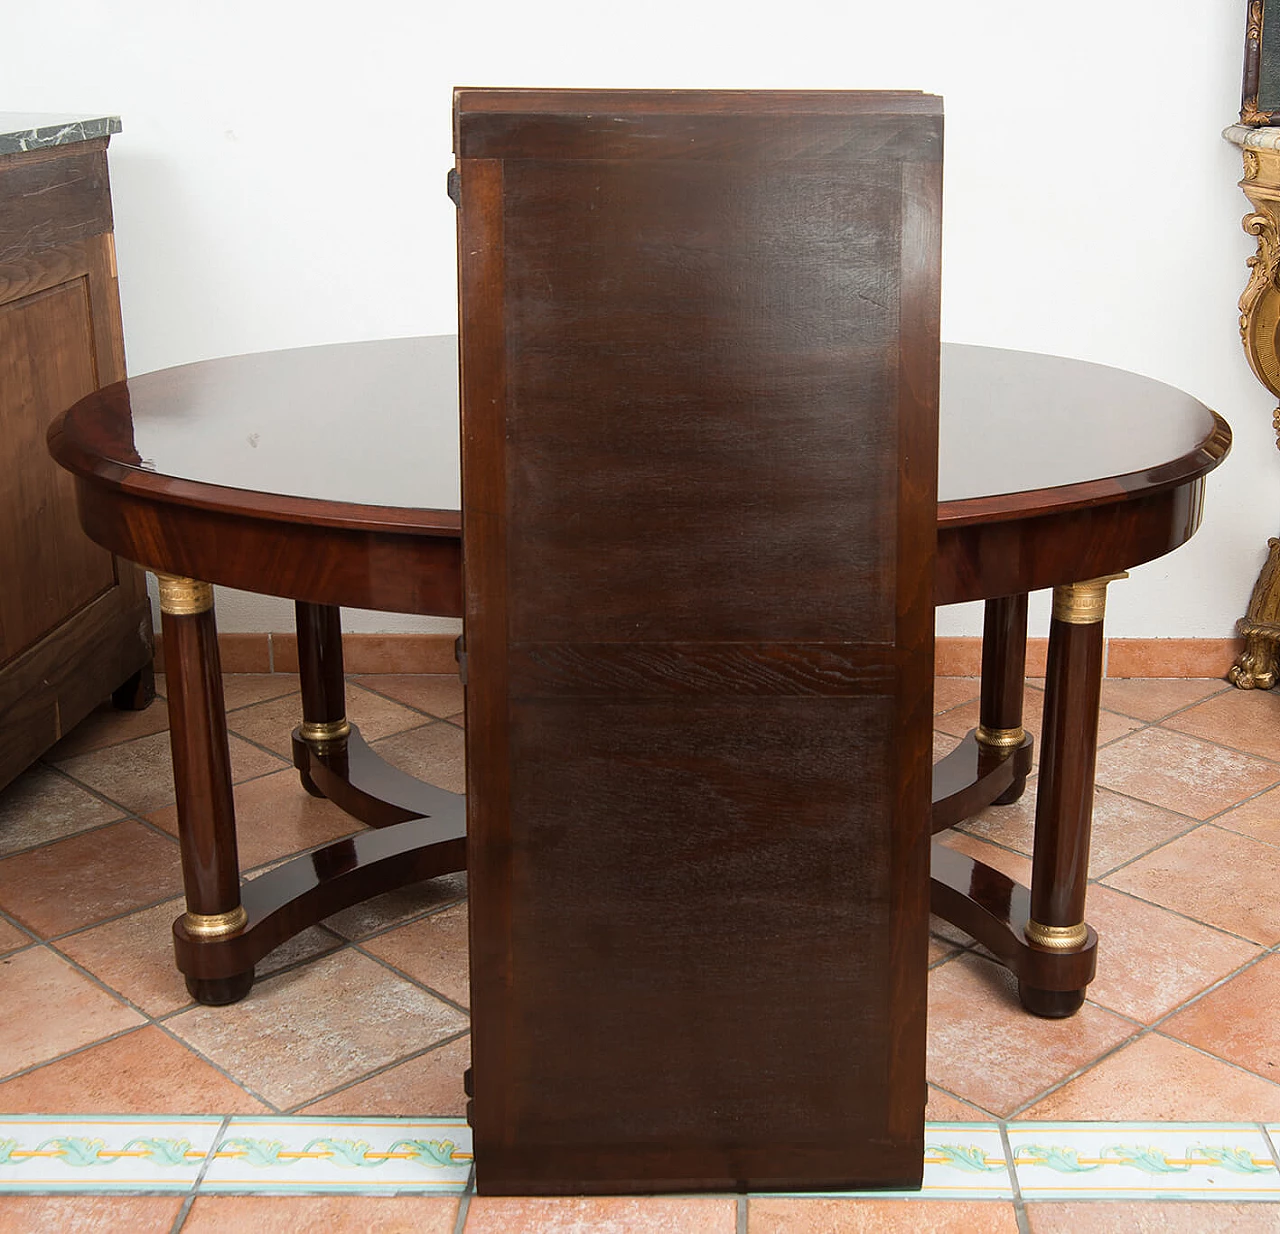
[183, 597]
[1084, 603]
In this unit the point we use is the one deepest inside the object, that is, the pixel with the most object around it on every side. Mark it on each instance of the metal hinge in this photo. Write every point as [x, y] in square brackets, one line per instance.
[453, 186]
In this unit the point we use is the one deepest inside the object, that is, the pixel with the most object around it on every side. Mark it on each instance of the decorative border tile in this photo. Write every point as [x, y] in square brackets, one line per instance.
[40, 1152]
[962, 1161]
[341, 1154]
[1122, 1161]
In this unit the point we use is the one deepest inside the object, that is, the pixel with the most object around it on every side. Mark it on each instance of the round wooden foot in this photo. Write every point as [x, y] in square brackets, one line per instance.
[219, 991]
[309, 784]
[1050, 1004]
[1012, 793]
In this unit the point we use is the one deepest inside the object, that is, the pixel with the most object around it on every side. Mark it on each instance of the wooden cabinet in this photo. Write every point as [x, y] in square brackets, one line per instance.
[75, 623]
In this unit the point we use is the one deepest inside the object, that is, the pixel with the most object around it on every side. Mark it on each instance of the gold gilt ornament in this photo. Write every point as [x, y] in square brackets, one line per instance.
[1256, 666]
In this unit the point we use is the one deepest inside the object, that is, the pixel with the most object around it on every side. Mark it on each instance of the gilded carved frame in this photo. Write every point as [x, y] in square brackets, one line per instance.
[1260, 91]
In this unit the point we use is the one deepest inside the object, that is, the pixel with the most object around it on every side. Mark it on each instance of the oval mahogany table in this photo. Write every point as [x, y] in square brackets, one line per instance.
[329, 475]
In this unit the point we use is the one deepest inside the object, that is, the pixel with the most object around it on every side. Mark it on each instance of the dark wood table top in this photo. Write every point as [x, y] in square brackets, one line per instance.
[366, 435]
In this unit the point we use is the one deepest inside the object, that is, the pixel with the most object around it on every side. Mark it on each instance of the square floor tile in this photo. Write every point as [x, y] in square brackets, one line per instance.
[322, 1214]
[1216, 876]
[139, 774]
[271, 724]
[959, 720]
[1139, 1160]
[108, 726]
[440, 695]
[88, 1214]
[141, 1072]
[432, 950]
[427, 1086]
[134, 956]
[434, 753]
[275, 817]
[949, 692]
[1247, 720]
[11, 938]
[394, 908]
[1157, 1078]
[328, 1155]
[1123, 827]
[33, 982]
[985, 1048]
[603, 1215]
[89, 877]
[1153, 1216]
[291, 1040]
[1259, 818]
[42, 805]
[871, 1215]
[103, 1153]
[1153, 698]
[246, 689]
[1151, 960]
[1182, 773]
[1237, 1021]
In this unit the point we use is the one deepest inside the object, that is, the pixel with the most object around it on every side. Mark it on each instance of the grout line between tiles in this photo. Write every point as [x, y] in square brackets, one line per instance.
[422, 985]
[1217, 1058]
[1191, 1000]
[243, 1087]
[740, 1225]
[183, 1209]
[1017, 1112]
[1270, 1143]
[464, 1201]
[1019, 1207]
[66, 1054]
[1208, 925]
[295, 1111]
[211, 1155]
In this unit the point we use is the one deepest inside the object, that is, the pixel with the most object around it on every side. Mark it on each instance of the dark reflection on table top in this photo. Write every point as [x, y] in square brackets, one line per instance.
[376, 423]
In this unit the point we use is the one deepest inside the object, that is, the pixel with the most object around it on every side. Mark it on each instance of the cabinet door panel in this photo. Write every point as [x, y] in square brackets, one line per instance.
[48, 354]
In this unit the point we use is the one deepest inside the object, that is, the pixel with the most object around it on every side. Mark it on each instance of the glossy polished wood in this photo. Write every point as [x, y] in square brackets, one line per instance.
[1097, 508]
[997, 543]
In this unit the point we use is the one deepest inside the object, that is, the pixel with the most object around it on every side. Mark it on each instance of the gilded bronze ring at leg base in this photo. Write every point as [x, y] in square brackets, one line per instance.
[320, 732]
[1001, 738]
[215, 925]
[1057, 938]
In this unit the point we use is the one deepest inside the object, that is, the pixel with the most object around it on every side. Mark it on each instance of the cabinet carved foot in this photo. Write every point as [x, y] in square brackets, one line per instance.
[1255, 667]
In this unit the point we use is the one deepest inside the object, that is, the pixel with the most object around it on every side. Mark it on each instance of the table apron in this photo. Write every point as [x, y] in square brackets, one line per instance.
[986, 560]
[407, 573]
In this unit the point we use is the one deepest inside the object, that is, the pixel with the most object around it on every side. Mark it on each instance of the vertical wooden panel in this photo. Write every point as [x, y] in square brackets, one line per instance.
[699, 354]
[47, 356]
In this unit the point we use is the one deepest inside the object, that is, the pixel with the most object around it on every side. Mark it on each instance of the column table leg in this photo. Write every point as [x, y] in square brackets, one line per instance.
[1004, 667]
[202, 780]
[324, 729]
[1064, 800]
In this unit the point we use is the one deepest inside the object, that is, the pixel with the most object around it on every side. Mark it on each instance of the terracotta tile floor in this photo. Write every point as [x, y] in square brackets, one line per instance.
[1180, 1023]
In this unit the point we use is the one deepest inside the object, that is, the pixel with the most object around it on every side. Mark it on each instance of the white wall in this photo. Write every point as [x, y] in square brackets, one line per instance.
[280, 181]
